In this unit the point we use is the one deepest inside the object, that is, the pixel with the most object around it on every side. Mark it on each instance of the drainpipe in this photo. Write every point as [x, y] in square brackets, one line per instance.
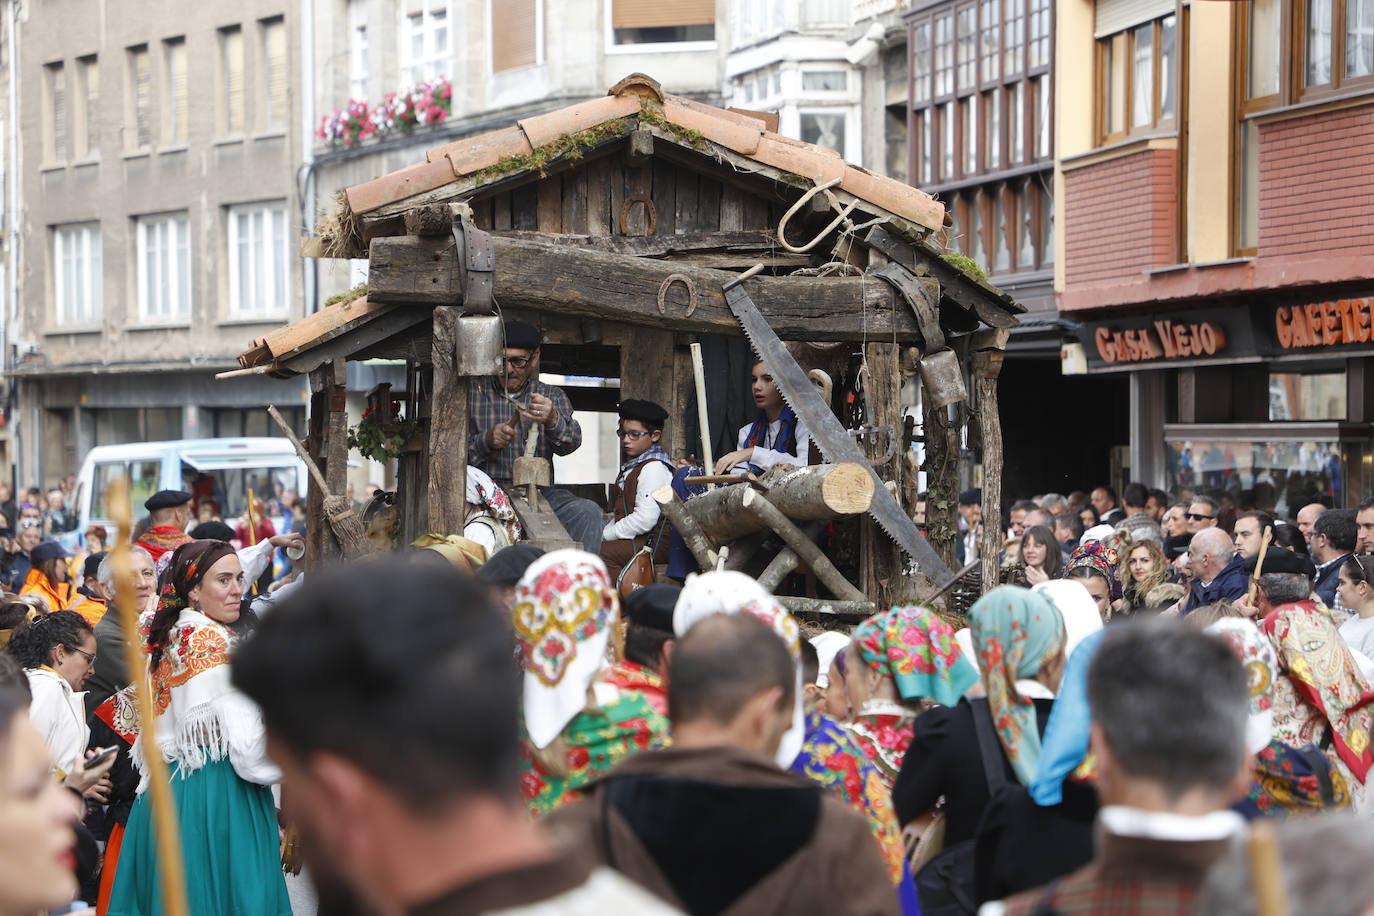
[9, 313]
[310, 271]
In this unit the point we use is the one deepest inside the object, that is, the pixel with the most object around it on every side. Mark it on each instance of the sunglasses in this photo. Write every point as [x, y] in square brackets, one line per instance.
[1193, 516]
[30, 523]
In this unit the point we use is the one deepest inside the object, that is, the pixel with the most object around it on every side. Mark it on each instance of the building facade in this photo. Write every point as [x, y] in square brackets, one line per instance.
[1213, 185]
[157, 220]
[981, 121]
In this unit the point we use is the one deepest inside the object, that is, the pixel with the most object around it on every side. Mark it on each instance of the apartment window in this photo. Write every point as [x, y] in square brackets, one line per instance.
[231, 65]
[756, 20]
[947, 141]
[178, 103]
[923, 134]
[975, 246]
[164, 267]
[992, 128]
[970, 138]
[920, 62]
[991, 40]
[824, 128]
[1038, 45]
[88, 85]
[1025, 228]
[55, 86]
[1136, 77]
[1337, 42]
[1042, 116]
[275, 101]
[258, 270]
[825, 81]
[425, 53]
[1001, 248]
[647, 22]
[1264, 28]
[357, 49]
[141, 101]
[1014, 37]
[966, 47]
[76, 273]
[944, 54]
[1016, 122]
[515, 35]
[825, 13]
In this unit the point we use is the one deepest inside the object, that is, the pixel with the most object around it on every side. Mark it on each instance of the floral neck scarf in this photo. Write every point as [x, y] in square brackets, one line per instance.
[565, 610]
[1313, 656]
[918, 651]
[1015, 633]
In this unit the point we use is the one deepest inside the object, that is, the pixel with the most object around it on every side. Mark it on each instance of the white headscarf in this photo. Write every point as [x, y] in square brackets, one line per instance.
[565, 610]
[729, 592]
[1076, 606]
[828, 645]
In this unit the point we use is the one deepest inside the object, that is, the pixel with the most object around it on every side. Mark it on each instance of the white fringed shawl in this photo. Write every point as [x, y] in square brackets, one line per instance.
[200, 716]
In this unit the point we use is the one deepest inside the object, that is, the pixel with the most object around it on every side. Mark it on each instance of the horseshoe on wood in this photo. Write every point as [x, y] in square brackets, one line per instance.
[691, 292]
[648, 207]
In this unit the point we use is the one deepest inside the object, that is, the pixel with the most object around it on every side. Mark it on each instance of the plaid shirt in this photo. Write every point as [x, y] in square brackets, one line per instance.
[487, 406]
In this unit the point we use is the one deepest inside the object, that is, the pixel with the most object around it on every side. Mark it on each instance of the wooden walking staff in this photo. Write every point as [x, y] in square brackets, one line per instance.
[703, 420]
[171, 870]
[252, 533]
[1259, 564]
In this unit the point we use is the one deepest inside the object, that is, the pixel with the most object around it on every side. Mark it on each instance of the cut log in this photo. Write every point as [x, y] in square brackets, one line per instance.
[857, 610]
[564, 280]
[812, 493]
[759, 506]
[677, 514]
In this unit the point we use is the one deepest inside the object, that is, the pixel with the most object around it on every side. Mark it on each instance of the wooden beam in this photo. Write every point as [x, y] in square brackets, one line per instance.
[448, 428]
[336, 448]
[656, 246]
[569, 281]
[989, 303]
[880, 558]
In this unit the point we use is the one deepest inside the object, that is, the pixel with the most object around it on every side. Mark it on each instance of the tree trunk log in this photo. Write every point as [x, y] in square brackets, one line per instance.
[880, 558]
[448, 429]
[812, 493]
[853, 609]
[987, 365]
[677, 514]
[759, 506]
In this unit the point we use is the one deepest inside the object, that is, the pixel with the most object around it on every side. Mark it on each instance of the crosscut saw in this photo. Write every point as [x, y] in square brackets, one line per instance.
[826, 431]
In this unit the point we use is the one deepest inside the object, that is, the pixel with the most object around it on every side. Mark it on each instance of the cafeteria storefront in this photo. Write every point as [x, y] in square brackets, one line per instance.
[1275, 397]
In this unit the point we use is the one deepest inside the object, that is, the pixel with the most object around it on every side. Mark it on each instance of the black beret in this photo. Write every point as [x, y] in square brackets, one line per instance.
[1283, 560]
[652, 606]
[48, 550]
[212, 531]
[521, 336]
[971, 497]
[646, 412]
[92, 565]
[167, 499]
[508, 564]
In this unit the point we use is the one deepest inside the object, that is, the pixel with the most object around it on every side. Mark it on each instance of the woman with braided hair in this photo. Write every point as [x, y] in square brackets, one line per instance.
[212, 738]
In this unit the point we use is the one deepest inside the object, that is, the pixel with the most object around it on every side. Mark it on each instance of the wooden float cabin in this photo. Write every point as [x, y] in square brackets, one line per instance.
[612, 224]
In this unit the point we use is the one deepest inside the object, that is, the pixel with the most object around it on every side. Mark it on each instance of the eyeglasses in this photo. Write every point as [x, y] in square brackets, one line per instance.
[90, 656]
[635, 434]
[30, 523]
[1193, 516]
[518, 362]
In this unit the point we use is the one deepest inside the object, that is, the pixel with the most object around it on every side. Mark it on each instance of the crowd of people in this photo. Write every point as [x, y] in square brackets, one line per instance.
[1163, 691]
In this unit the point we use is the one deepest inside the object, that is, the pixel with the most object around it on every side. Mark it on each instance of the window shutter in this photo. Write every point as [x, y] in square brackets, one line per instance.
[92, 87]
[180, 103]
[274, 40]
[1118, 15]
[59, 112]
[233, 81]
[143, 99]
[650, 14]
[513, 40]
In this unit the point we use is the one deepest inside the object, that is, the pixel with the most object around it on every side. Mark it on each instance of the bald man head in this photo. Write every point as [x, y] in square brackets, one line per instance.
[1209, 551]
[1307, 519]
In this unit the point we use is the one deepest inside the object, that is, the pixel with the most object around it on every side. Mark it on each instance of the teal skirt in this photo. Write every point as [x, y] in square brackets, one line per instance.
[229, 842]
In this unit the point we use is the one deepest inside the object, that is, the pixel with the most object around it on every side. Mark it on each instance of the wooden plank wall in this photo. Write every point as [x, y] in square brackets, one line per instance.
[587, 199]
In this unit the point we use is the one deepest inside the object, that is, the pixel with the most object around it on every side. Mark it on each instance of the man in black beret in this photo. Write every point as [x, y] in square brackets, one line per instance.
[646, 467]
[503, 571]
[505, 410]
[970, 522]
[648, 643]
[1285, 578]
[169, 511]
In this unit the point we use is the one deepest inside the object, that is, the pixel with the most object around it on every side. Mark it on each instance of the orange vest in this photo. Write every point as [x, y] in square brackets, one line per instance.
[62, 597]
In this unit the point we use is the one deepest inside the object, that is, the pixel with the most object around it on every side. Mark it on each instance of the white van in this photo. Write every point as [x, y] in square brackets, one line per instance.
[218, 470]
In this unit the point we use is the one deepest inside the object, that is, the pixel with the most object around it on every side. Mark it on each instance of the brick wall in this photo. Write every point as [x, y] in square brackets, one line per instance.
[1316, 184]
[1121, 216]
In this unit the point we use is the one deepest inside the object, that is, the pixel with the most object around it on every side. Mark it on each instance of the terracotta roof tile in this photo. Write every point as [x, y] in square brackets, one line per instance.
[547, 128]
[729, 133]
[308, 330]
[738, 131]
[407, 182]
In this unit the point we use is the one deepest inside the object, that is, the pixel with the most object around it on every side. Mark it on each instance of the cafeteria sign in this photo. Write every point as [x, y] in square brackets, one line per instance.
[1323, 324]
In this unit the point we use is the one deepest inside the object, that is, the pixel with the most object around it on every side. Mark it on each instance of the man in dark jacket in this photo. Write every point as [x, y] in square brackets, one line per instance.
[712, 824]
[1333, 540]
[1218, 573]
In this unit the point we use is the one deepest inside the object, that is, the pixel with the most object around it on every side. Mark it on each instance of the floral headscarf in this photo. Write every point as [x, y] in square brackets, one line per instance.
[1261, 663]
[1100, 557]
[565, 610]
[917, 649]
[730, 592]
[483, 491]
[1015, 633]
[1319, 666]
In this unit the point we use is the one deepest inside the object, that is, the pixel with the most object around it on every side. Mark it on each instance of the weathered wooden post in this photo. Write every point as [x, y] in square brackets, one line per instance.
[988, 348]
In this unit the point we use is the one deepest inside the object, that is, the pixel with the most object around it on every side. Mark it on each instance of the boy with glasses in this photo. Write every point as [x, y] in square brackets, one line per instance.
[646, 467]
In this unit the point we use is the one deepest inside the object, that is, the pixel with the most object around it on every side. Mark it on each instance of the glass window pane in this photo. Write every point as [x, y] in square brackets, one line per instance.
[920, 62]
[1038, 54]
[1307, 396]
[1001, 255]
[1359, 38]
[927, 135]
[944, 54]
[947, 142]
[1013, 36]
[822, 80]
[1262, 77]
[1106, 91]
[967, 45]
[1247, 198]
[1142, 76]
[970, 134]
[824, 129]
[1017, 146]
[1167, 34]
[989, 10]
[1025, 248]
[974, 244]
[993, 103]
[1042, 116]
[1046, 227]
[1318, 44]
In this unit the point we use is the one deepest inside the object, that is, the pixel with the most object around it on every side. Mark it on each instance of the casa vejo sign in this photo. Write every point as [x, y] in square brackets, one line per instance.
[1323, 324]
[1163, 339]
